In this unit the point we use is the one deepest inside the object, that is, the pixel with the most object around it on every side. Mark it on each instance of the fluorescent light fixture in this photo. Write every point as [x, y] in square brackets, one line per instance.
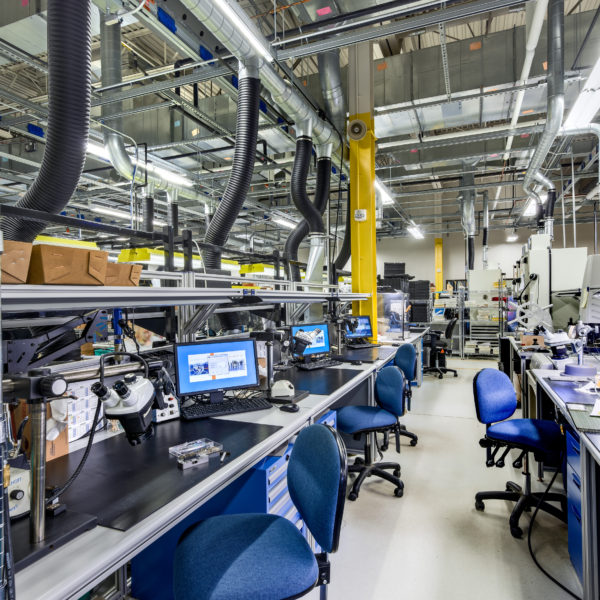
[176, 178]
[512, 237]
[587, 104]
[416, 232]
[386, 197]
[243, 28]
[283, 222]
[168, 175]
[117, 214]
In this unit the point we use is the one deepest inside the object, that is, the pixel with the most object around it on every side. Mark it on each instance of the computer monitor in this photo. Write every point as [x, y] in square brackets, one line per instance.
[358, 327]
[211, 367]
[321, 343]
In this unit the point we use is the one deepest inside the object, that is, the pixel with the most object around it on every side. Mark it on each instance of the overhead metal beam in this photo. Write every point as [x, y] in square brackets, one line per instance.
[430, 19]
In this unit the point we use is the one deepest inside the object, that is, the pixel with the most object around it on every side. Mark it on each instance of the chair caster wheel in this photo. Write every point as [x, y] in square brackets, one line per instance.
[384, 447]
[359, 461]
[455, 374]
[440, 376]
[516, 532]
[396, 472]
[413, 442]
[352, 496]
[479, 505]
[399, 492]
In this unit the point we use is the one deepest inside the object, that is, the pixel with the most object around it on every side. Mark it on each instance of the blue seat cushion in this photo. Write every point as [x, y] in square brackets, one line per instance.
[537, 434]
[352, 419]
[243, 557]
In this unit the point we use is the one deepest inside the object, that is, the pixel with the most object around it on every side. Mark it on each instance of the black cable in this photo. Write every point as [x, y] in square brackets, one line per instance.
[84, 458]
[129, 331]
[535, 512]
[9, 564]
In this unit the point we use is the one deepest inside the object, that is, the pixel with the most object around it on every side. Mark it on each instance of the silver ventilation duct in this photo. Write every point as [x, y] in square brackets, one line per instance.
[331, 86]
[110, 56]
[219, 23]
[556, 95]
[486, 225]
[468, 217]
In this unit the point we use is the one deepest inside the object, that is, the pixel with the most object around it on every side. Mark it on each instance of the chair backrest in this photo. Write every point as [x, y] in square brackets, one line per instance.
[406, 360]
[494, 394]
[316, 476]
[389, 390]
[450, 328]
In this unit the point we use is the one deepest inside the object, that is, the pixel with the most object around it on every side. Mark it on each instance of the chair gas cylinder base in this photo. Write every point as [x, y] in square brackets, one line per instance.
[495, 402]
[370, 420]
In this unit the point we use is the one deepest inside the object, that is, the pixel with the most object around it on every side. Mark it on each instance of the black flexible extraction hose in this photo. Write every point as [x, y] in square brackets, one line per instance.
[69, 94]
[298, 186]
[550, 205]
[239, 180]
[485, 236]
[471, 252]
[290, 251]
[344, 254]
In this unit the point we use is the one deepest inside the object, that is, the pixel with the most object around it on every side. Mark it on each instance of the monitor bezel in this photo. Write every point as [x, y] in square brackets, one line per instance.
[353, 336]
[312, 354]
[206, 343]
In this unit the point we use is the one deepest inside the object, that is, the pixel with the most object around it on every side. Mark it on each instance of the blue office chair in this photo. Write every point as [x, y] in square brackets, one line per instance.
[406, 360]
[237, 557]
[363, 420]
[495, 402]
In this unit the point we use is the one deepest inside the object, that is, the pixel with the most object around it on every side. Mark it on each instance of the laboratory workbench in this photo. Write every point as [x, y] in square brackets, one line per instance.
[589, 455]
[68, 571]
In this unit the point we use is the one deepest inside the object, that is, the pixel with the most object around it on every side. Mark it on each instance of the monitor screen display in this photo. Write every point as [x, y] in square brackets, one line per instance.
[205, 367]
[320, 343]
[360, 325]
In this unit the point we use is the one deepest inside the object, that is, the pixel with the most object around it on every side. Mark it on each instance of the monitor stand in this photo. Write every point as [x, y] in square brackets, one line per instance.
[216, 397]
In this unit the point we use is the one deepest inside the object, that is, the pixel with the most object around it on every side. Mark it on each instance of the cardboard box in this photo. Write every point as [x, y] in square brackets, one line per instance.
[63, 265]
[532, 340]
[123, 274]
[55, 449]
[15, 261]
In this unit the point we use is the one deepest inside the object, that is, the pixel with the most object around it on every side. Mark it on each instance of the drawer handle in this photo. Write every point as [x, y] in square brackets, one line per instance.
[576, 481]
[575, 447]
[574, 511]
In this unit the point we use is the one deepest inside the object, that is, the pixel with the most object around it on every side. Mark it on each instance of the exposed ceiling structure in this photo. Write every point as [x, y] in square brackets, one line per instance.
[446, 83]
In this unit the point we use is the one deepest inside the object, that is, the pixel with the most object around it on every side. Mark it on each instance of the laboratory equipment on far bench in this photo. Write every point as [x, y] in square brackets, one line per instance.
[204, 371]
[358, 330]
[311, 347]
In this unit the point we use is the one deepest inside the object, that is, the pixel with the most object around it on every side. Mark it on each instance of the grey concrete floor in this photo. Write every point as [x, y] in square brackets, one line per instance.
[432, 544]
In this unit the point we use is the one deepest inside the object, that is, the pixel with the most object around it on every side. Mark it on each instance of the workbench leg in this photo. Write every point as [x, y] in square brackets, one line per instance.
[589, 526]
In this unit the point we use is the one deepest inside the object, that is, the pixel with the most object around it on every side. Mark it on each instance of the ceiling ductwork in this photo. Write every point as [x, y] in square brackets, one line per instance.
[556, 99]
[110, 33]
[69, 96]
[219, 22]
[330, 75]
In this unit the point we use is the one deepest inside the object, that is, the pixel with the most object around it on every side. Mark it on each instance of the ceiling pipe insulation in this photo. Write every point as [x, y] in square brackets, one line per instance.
[69, 97]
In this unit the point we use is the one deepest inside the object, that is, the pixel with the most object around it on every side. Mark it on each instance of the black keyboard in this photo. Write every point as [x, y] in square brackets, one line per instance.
[318, 364]
[229, 406]
[354, 346]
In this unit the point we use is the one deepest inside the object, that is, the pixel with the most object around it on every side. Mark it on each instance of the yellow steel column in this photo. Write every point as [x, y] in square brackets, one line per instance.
[439, 264]
[362, 179]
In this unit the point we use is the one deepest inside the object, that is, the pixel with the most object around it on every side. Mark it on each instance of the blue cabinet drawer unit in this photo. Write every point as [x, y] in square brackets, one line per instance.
[573, 474]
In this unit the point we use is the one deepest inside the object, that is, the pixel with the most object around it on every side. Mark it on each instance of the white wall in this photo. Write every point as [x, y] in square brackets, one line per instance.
[419, 254]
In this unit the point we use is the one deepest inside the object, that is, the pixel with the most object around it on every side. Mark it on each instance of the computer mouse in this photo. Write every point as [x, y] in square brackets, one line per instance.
[289, 408]
[356, 362]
